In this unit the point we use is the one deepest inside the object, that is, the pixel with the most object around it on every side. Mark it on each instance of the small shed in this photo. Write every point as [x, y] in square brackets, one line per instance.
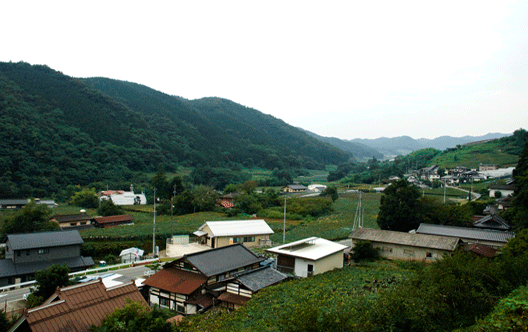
[131, 255]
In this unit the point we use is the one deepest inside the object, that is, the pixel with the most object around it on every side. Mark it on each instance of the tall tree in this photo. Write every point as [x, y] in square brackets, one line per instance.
[160, 182]
[519, 212]
[47, 282]
[32, 218]
[399, 207]
[86, 198]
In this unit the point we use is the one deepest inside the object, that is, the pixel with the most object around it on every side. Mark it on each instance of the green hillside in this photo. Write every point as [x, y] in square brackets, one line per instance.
[59, 131]
[504, 152]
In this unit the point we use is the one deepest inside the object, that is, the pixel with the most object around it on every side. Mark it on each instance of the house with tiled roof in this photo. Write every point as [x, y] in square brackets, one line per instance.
[73, 221]
[491, 221]
[294, 188]
[188, 285]
[239, 290]
[251, 232]
[505, 190]
[407, 246]
[76, 308]
[309, 256]
[31, 252]
[493, 238]
[481, 250]
[110, 221]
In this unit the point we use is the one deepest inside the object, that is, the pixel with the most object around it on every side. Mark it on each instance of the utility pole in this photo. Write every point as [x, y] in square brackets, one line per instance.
[172, 205]
[154, 228]
[284, 224]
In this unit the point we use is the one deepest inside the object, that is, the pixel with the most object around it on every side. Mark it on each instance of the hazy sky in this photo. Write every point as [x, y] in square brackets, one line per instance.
[348, 69]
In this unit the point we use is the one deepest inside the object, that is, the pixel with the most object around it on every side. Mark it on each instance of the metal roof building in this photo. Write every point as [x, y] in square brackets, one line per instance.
[493, 238]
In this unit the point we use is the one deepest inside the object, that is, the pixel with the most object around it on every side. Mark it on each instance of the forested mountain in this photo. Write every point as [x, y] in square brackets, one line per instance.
[58, 131]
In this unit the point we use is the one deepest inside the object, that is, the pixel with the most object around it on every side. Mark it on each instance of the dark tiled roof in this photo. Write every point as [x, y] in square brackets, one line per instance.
[76, 308]
[257, 279]
[503, 186]
[44, 239]
[220, 260]
[76, 263]
[176, 281]
[482, 250]
[204, 301]
[71, 217]
[7, 268]
[493, 222]
[233, 298]
[114, 219]
[466, 233]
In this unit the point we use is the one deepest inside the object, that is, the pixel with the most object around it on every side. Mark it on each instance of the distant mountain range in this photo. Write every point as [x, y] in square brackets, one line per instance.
[385, 147]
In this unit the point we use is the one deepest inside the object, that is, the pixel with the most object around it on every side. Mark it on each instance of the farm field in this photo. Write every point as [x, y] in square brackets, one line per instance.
[335, 293]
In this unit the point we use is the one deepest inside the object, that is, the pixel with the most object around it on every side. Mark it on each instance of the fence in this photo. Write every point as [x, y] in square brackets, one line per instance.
[80, 273]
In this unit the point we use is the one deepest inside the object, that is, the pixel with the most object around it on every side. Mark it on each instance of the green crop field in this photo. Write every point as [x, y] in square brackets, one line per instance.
[331, 292]
[336, 226]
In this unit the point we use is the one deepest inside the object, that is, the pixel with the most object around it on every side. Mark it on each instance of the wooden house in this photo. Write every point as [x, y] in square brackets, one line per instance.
[188, 285]
[77, 307]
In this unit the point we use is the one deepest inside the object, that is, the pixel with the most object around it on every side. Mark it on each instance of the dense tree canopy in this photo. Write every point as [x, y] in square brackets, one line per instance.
[86, 198]
[32, 218]
[399, 207]
[136, 317]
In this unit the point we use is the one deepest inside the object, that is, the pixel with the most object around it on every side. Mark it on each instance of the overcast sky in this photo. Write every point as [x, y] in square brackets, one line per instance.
[347, 69]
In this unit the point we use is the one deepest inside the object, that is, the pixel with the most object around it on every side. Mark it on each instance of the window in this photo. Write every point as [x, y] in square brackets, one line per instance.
[180, 307]
[27, 252]
[249, 239]
[73, 224]
[164, 302]
[429, 254]
[43, 251]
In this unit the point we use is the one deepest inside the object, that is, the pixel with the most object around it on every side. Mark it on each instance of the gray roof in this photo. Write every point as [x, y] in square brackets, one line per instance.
[44, 239]
[220, 260]
[407, 239]
[257, 279]
[296, 187]
[9, 269]
[493, 222]
[466, 233]
[15, 201]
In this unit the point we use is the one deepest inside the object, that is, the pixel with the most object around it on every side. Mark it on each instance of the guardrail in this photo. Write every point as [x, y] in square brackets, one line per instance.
[85, 272]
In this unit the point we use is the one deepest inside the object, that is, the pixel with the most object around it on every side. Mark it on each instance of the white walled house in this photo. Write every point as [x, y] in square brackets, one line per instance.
[309, 256]
[252, 233]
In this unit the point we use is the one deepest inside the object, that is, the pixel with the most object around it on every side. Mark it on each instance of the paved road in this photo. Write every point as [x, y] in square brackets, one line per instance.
[125, 276]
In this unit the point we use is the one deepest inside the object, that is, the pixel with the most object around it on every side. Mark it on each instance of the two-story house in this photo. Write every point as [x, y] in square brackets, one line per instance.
[28, 253]
[251, 232]
[192, 283]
